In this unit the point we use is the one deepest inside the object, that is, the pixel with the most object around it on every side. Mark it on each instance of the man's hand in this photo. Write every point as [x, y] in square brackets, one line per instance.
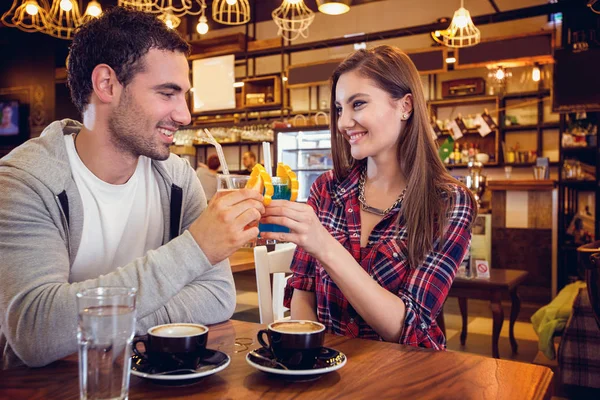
[228, 223]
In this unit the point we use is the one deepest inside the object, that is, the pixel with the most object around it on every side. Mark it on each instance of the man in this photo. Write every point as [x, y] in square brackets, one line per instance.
[104, 203]
[249, 161]
[7, 127]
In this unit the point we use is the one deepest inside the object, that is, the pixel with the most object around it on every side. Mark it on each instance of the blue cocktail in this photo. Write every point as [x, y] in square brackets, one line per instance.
[281, 191]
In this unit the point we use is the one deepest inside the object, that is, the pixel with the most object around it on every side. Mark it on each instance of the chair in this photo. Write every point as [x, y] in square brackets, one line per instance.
[277, 263]
[589, 258]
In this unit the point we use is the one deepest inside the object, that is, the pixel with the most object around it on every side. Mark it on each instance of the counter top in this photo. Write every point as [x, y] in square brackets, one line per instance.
[514, 184]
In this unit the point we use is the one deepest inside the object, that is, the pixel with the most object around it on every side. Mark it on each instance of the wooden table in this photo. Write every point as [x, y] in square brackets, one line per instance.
[501, 281]
[242, 260]
[374, 370]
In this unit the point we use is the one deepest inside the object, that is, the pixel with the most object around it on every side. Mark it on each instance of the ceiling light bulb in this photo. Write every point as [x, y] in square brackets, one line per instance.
[231, 2]
[499, 74]
[536, 74]
[333, 8]
[293, 1]
[93, 9]
[169, 23]
[461, 21]
[31, 8]
[450, 60]
[202, 26]
[66, 5]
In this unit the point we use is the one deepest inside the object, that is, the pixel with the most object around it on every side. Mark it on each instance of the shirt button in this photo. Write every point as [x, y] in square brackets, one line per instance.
[351, 320]
[395, 255]
[423, 326]
[342, 190]
[350, 210]
[355, 235]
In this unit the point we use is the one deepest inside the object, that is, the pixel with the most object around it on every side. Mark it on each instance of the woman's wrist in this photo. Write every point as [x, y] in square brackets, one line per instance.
[327, 249]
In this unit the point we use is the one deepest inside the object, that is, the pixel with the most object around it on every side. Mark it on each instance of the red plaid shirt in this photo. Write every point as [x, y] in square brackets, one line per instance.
[423, 290]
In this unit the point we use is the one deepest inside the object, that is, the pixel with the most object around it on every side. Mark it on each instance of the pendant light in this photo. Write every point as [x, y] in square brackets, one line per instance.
[462, 32]
[333, 7]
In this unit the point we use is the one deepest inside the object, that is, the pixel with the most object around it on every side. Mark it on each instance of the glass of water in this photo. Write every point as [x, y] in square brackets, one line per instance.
[106, 325]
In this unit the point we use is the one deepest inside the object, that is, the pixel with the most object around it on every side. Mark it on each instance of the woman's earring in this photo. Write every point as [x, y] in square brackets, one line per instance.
[405, 116]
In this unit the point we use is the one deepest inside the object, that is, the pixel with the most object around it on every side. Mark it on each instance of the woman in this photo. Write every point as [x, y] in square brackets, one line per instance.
[383, 234]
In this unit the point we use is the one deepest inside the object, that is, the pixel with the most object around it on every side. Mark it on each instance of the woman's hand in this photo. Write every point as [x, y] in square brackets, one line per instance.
[306, 229]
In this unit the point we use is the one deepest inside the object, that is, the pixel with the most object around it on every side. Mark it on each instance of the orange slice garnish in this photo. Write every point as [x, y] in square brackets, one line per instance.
[285, 172]
[260, 181]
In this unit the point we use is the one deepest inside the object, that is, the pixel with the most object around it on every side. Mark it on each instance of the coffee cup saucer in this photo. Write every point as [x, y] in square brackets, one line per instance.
[212, 362]
[328, 360]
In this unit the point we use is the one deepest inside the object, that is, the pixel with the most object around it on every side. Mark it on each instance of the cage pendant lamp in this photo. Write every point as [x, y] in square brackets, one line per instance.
[140, 5]
[462, 32]
[172, 21]
[231, 12]
[64, 17]
[27, 15]
[293, 18]
[178, 8]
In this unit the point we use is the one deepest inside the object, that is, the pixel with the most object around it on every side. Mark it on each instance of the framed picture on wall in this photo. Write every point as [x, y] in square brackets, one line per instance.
[9, 118]
[14, 127]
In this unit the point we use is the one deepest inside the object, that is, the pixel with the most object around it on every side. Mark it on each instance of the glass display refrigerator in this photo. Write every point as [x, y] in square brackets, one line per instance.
[307, 150]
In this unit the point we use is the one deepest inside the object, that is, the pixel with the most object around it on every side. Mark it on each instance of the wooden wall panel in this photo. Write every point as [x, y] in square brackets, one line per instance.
[498, 209]
[529, 250]
[540, 210]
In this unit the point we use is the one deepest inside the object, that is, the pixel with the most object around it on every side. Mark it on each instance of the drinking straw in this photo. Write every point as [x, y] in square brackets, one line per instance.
[210, 139]
[266, 148]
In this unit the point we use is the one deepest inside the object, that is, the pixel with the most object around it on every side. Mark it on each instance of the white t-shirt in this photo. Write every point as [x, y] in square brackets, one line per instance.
[120, 222]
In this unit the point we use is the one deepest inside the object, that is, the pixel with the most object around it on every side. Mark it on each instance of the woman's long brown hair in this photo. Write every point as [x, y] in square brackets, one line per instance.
[428, 196]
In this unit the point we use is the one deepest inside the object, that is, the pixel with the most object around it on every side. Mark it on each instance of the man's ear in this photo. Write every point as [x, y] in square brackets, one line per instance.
[105, 83]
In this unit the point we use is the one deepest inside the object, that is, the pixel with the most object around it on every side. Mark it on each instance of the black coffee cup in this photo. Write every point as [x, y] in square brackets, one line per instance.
[174, 346]
[294, 343]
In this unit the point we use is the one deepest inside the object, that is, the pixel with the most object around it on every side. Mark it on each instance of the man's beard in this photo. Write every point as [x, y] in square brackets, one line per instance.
[126, 127]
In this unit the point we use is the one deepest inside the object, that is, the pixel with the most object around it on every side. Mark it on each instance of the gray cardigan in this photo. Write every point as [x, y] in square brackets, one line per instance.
[39, 240]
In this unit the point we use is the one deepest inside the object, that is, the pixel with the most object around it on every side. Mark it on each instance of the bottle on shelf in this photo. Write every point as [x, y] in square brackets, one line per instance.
[471, 152]
[457, 153]
[465, 154]
[269, 98]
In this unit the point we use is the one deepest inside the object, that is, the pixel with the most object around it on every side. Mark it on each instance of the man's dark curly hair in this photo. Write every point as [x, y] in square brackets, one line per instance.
[120, 38]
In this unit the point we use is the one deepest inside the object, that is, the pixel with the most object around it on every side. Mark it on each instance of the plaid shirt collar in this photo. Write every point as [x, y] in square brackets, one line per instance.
[348, 188]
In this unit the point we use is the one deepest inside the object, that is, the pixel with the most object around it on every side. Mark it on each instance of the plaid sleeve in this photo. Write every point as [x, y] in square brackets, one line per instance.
[425, 289]
[303, 264]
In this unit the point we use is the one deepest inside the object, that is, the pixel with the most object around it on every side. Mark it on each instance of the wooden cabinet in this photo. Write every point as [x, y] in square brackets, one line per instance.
[527, 129]
[578, 199]
[262, 91]
[468, 107]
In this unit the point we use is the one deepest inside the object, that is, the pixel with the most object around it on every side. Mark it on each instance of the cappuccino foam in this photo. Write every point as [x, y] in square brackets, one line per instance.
[297, 327]
[178, 330]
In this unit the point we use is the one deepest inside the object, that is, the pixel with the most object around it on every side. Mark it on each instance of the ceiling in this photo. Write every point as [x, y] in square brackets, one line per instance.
[263, 7]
